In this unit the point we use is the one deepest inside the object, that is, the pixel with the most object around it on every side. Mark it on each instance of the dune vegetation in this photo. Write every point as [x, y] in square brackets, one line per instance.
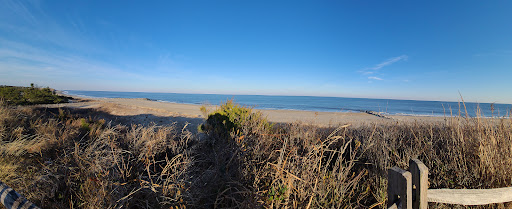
[16, 95]
[69, 158]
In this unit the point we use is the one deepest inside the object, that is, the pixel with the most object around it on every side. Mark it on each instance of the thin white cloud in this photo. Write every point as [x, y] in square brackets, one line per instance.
[27, 22]
[388, 62]
[376, 68]
[38, 48]
[22, 63]
[18, 9]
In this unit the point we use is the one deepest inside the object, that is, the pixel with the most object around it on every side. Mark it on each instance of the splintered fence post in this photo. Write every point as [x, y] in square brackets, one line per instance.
[399, 188]
[419, 174]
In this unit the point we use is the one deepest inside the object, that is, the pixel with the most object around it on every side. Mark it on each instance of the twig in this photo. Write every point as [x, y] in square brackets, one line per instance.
[294, 176]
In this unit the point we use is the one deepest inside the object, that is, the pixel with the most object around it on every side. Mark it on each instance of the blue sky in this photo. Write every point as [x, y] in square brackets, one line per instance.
[426, 50]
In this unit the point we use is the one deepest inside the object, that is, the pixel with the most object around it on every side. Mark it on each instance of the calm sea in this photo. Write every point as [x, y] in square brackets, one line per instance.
[311, 103]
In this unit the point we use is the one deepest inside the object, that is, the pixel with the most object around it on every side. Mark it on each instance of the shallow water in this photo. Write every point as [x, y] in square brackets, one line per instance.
[321, 104]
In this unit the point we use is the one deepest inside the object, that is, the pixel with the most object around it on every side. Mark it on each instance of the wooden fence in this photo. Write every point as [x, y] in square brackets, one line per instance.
[409, 189]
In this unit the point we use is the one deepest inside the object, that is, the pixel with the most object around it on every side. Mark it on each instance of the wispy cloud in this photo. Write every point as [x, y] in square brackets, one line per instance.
[14, 8]
[389, 62]
[37, 61]
[36, 47]
[375, 78]
[27, 22]
[374, 69]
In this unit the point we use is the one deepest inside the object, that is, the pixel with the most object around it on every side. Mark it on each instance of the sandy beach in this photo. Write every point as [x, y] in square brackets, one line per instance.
[146, 111]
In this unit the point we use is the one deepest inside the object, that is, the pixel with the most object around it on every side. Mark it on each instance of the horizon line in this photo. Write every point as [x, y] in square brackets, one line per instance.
[248, 94]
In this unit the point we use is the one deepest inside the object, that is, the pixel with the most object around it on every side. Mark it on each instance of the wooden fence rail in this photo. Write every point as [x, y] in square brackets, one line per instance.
[409, 189]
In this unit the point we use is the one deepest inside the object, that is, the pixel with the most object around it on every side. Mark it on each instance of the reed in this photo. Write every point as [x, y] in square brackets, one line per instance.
[66, 158]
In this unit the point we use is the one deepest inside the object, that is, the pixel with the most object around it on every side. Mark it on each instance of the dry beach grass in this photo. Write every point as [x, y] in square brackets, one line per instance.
[90, 158]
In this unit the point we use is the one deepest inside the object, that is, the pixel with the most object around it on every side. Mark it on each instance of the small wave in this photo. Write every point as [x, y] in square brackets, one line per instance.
[164, 101]
[419, 115]
[84, 96]
[297, 103]
[171, 102]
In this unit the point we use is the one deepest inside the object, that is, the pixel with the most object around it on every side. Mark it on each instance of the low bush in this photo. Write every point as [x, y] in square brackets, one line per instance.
[15, 95]
[230, 117]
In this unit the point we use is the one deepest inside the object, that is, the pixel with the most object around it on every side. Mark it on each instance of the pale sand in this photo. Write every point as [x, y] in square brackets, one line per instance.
[147, 111]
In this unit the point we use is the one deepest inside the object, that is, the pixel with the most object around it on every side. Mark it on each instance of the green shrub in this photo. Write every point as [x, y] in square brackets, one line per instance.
[234, 118]
[12, 95]
[16, 95]
[85, 125]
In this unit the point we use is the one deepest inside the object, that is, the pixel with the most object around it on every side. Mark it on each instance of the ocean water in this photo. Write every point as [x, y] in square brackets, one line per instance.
[320, 104]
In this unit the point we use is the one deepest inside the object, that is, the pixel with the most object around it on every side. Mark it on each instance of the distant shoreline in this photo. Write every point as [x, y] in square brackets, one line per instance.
[385, 108]
[139, 106]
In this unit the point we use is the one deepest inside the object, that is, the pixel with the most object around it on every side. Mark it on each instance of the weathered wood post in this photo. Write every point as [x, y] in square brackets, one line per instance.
[409, 190]
[419, 174]
[399, 188]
